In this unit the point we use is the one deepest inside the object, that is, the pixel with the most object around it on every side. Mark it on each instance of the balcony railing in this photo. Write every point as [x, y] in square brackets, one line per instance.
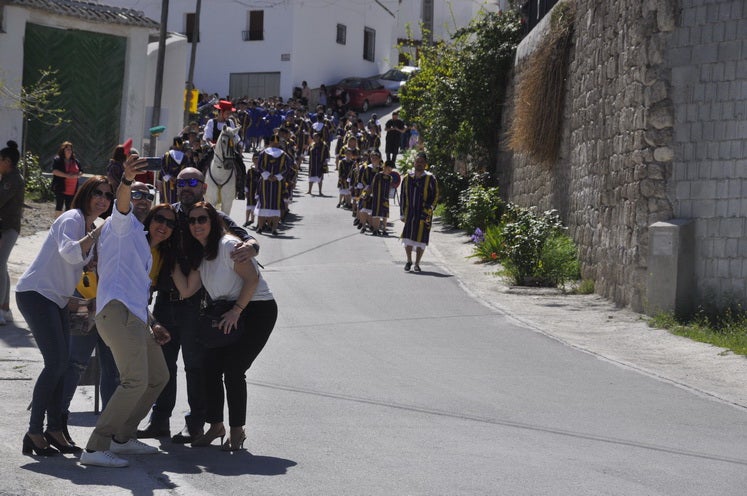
[252, 35]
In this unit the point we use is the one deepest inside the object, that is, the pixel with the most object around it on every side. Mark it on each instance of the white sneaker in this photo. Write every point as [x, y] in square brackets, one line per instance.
[132, 447]
[7, 315]
[102, 459]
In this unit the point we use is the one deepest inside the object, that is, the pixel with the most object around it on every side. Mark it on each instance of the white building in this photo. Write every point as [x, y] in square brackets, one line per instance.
[262, 49]
[266, 48]
[439, 19]
[105, 62]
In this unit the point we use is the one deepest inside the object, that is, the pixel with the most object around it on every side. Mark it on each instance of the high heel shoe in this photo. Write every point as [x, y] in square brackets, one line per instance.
[62, 448]
[210, 436]
[30, 447]
[236, 441]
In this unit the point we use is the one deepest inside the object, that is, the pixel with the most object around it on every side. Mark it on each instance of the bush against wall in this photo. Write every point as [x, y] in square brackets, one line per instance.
[533, 248]
[536, 128]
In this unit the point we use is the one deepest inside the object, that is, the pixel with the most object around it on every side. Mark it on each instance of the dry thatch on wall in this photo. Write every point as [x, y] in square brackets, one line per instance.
[536, 128]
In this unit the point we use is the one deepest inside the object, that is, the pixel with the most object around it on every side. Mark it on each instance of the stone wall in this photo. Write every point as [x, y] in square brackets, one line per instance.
[655, 127]
[708, 58]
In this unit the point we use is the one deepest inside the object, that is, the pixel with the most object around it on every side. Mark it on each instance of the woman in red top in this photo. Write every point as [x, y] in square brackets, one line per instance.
[66, 171]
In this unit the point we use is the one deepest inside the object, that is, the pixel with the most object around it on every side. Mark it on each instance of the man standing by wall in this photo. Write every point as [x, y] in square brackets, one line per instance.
[395, 128]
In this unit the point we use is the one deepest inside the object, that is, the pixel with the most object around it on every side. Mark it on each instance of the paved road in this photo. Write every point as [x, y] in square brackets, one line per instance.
[381, 382]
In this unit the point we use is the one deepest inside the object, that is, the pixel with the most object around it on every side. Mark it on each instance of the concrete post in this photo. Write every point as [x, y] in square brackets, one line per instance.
[671, 271]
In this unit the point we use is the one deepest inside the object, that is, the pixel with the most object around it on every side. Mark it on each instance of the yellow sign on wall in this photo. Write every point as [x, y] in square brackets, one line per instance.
[192, 101]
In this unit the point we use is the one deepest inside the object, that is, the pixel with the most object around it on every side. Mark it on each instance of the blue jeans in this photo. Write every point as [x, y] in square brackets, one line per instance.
[180, 319]
[50, 326]
[80, 354]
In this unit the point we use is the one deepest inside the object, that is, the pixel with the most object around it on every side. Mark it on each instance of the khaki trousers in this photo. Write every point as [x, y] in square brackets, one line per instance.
[142, 375]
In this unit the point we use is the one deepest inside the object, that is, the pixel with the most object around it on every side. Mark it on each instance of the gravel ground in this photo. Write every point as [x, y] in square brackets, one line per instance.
[36, 217]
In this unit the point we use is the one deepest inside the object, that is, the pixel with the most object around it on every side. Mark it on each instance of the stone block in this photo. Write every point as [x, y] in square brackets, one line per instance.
[704, 209]
[732, 250]
[663, 154]
[729, 50]
[730, 30]
[671, 256]
[732, 227]
[705, 54]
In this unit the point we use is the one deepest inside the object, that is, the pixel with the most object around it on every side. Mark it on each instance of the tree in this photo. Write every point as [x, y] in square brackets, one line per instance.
[457, 98]
[35, 102]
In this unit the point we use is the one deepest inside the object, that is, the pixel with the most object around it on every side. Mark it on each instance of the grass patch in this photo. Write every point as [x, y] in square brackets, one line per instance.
[728, 330]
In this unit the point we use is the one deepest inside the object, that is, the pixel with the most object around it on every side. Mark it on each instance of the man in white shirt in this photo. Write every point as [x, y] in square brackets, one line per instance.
[122, 321]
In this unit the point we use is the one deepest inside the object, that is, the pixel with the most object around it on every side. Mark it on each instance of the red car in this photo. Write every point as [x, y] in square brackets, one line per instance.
[363, 93]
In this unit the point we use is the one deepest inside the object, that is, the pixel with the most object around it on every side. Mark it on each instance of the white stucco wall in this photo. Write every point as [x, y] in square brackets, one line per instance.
[304, 29]
[11, 64]
[172, 96]
[448, 16]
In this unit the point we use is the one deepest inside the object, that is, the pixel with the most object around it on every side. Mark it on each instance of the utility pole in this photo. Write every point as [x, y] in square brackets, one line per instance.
[192, 57]
[159, 75]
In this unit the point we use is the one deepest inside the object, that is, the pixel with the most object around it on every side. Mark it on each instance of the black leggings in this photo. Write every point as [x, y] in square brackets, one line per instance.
[61, 199]
[229, 364]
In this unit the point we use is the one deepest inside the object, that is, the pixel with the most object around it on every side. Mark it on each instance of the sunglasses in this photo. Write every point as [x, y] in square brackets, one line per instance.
[141, 195]
[160, 219]
[97, 193]
[183, 183]
[201, 219]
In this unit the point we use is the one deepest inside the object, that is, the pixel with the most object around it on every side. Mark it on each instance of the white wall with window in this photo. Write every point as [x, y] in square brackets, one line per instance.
[310, 40]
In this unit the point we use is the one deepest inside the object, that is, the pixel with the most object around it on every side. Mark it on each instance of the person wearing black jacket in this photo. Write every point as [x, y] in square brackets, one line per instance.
[65, 173]
[180, 317]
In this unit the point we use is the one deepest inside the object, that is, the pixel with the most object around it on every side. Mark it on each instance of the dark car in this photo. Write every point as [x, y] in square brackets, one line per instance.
[363, 93]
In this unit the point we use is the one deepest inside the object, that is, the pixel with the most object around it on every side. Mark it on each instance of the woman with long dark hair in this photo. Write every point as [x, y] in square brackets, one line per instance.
[65, 173]
[11, 211]
[242, 283]
[42, 295]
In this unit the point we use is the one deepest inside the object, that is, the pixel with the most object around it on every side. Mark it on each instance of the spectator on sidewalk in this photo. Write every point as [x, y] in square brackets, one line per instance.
[42, 295]
[11, 212]
[395, 128]
[65, 173]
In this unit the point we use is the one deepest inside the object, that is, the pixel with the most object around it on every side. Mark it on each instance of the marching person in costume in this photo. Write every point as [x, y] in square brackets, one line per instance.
[418, 197]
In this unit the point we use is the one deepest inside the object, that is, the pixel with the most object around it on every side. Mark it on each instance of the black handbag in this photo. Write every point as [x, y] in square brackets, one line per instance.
[211, 313]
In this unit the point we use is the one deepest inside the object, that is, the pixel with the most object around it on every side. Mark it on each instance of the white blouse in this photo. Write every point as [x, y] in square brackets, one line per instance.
[222, 282]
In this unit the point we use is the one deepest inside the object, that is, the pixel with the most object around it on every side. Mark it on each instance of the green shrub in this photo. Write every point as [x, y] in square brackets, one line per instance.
[585, 287]
[558, 263]
[489, 244]
[525, 234]
[37, 186]
[480, 207]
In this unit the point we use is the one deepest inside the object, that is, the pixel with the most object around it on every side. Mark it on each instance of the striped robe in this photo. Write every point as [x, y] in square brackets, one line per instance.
[418, 196]
[272, 162]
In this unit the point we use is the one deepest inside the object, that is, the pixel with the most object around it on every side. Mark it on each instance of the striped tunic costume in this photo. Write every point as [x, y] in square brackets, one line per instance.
[418, 196]
[273, 162]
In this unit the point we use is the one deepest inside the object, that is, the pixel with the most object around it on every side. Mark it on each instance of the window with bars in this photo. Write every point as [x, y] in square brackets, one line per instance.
[342, 34]
[369, 44]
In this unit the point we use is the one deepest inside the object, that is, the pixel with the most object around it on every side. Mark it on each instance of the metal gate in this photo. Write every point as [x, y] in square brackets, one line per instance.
[90, 73]
[254, 84]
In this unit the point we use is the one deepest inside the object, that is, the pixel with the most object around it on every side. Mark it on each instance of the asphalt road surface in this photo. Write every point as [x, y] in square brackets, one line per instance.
[381, 382]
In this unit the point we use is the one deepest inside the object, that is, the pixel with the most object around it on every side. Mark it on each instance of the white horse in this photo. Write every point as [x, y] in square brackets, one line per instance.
[221, 176]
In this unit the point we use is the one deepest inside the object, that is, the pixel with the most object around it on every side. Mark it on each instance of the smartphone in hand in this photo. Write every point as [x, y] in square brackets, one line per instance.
[154, 163]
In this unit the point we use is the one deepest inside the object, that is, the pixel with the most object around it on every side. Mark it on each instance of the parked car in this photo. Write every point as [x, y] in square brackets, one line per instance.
[363, 93]
[395, 79]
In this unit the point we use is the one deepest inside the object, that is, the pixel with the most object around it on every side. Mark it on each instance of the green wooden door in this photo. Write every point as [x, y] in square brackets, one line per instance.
[90, 73]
